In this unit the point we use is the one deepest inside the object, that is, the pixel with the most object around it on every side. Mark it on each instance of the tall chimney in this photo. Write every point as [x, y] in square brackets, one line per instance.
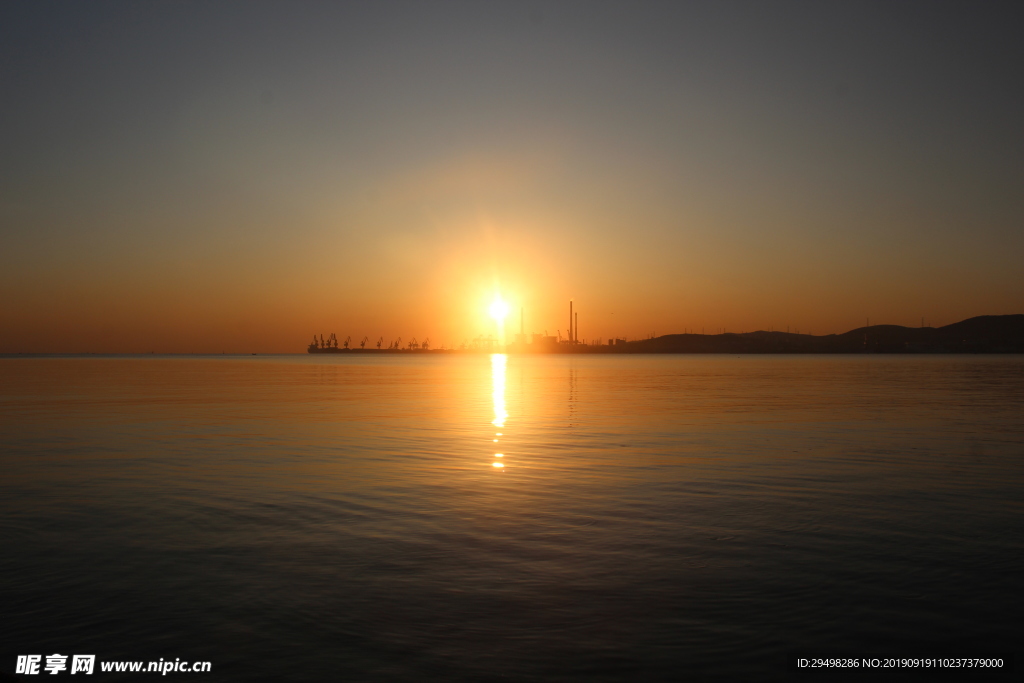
[570, 320]
[576, 332]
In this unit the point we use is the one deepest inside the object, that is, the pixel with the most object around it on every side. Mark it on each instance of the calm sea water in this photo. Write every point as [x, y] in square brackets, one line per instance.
[648, 517]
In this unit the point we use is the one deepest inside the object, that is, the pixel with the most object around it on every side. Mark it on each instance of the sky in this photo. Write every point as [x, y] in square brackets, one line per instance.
[236, 177]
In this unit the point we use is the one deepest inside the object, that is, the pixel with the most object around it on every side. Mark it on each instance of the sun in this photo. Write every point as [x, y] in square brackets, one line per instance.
[499, 309]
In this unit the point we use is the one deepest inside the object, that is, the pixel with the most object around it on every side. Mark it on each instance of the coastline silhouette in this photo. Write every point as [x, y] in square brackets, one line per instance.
[981, 334]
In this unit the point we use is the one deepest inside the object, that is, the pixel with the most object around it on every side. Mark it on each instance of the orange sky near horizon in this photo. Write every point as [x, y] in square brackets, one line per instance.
[350, 170]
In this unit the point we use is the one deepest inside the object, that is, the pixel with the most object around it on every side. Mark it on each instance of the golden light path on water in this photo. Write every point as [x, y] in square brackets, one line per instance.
[498, 363]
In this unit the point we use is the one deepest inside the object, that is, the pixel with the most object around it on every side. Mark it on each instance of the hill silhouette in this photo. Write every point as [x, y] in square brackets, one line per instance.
[982, 334]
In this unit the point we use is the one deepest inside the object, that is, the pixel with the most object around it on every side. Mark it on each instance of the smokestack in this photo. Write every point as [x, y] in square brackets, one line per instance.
[576, 332]
[570, 319]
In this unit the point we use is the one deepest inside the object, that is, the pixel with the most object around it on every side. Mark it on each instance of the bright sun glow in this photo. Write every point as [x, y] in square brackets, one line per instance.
[499, 309]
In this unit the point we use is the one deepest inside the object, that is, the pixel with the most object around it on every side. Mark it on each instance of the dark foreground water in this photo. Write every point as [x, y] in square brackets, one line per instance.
[652, 517]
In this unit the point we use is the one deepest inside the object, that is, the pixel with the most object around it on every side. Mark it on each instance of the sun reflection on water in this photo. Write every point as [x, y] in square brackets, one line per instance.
[498, 363]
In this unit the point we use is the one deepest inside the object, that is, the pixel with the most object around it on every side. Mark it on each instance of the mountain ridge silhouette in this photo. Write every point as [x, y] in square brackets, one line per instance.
[980, 334]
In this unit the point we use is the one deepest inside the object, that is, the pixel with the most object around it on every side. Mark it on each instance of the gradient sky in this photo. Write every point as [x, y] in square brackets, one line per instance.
[215, 176]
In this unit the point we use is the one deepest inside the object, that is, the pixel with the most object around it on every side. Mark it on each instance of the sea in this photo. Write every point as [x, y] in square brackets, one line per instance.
[474, 517]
